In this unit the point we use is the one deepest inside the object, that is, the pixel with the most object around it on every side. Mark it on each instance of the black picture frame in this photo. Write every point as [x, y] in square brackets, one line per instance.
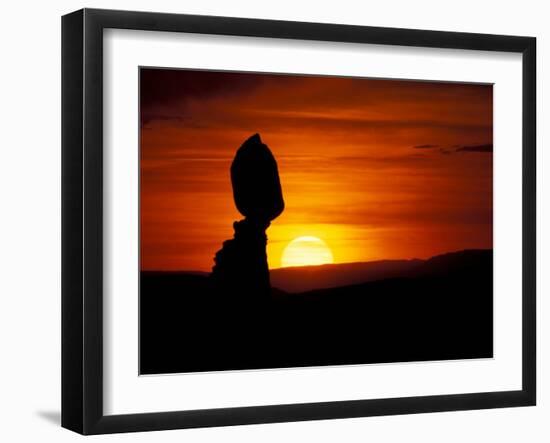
[82, 219]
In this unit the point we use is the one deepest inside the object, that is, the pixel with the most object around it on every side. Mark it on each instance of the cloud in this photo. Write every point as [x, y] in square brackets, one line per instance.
[476, 148]
[147, 117]
[167, 86]
[397, 213]
[425, 146]
[165, 92]
[458, 148]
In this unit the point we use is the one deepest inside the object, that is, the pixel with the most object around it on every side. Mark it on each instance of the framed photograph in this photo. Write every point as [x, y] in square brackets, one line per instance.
[269, 221]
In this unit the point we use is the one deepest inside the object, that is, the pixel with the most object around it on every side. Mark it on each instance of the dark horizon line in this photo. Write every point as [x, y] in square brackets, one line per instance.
[189, 271]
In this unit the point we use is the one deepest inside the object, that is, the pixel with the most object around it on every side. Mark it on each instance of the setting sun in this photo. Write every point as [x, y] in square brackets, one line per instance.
[306, 251]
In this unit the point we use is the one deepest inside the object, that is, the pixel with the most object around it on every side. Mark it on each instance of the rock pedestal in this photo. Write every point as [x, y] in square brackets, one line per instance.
[241, 264]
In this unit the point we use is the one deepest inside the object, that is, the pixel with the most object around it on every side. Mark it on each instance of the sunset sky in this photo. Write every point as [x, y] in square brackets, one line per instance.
[377, 169]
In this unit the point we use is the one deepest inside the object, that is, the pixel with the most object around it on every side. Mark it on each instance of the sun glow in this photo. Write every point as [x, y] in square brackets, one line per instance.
[306, 251]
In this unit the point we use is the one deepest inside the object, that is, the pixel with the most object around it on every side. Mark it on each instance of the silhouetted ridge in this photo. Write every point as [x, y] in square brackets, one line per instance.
[307, 278]
[468, 260]
[441, 310]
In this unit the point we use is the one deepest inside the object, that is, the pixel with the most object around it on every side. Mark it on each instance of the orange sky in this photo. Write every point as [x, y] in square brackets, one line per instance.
[378, 169]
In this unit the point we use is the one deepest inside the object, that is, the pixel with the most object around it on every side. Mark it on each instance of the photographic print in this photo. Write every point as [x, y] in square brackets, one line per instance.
[271, 221]
[295, 220]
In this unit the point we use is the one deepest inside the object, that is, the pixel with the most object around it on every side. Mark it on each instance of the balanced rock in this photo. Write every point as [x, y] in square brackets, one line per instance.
[255, 179]
[240, 266]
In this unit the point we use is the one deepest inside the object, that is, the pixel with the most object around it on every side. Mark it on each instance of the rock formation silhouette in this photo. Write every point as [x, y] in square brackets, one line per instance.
[241, 265]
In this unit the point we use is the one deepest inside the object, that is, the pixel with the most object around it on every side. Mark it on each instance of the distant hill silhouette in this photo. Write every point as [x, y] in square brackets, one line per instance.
[405, 310]
[305, 278]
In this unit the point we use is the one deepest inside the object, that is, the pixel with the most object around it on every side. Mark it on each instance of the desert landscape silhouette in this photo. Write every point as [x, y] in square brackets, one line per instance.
[296, 220]
[244, 316]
